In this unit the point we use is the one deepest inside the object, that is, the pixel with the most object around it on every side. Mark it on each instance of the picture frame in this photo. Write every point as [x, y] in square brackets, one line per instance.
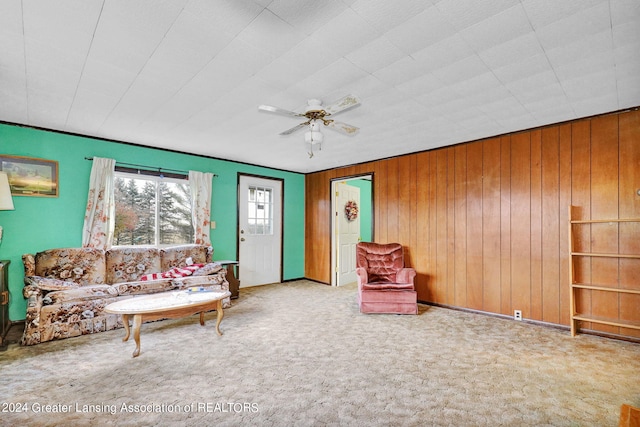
[30, 176]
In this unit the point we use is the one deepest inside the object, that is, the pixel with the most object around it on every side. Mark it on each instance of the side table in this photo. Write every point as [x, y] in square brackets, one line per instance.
[5, 324]
[234, 283]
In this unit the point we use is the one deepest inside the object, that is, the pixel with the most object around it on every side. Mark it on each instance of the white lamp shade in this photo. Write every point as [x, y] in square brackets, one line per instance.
[313, 135]
[6, 202]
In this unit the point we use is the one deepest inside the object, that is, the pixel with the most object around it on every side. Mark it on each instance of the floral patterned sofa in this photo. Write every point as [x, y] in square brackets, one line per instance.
[68, 288]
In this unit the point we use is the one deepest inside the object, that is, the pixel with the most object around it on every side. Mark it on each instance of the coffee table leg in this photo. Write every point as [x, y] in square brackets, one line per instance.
[125, 321]
[202, 318]
[137, 321]
[220, 316]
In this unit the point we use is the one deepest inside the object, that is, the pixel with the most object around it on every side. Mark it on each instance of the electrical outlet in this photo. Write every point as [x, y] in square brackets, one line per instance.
[517, 314]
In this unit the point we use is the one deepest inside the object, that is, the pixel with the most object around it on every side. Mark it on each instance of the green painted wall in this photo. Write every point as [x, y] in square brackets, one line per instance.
[366, 214]
[40, 223]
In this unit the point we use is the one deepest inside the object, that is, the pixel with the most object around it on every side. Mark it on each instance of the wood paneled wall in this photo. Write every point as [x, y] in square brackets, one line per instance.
[485, 223]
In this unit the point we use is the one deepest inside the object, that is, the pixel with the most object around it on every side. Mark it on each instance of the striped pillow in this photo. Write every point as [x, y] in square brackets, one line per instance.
[173, 273]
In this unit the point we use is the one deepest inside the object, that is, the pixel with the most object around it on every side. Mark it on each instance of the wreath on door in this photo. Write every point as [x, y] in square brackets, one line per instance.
[351, 210]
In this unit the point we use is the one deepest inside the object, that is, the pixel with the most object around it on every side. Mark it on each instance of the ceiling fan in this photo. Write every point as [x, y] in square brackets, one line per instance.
[317, 114]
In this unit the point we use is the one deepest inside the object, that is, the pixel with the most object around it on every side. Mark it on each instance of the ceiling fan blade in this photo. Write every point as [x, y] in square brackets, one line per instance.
[293, 129]
[278, 110]
[343, 104]
[344, 128]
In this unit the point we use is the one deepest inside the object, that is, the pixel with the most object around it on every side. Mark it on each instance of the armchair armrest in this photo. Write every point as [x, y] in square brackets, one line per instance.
[363, 276]
[405, 275]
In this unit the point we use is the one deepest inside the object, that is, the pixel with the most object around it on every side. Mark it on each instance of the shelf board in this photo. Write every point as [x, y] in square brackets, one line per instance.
[605, 288]
[605, 255]
[607, 321]
[603, 221]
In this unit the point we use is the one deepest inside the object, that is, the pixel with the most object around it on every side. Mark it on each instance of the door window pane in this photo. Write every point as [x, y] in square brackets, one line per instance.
[260, 210]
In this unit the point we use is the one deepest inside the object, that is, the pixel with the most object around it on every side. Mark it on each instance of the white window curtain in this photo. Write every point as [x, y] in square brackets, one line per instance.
[99, 216]
[200, 185]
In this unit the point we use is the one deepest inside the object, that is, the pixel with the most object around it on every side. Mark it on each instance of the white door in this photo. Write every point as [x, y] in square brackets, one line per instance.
[347, 226]
[260, 231]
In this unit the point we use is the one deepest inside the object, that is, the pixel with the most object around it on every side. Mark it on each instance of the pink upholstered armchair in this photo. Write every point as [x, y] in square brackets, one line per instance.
[384, 284]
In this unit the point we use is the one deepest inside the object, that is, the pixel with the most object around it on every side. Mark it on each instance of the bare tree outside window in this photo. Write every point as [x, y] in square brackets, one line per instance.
[152, 211]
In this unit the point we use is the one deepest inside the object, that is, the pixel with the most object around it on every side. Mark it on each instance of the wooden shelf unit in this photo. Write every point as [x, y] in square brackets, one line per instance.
[575, 316]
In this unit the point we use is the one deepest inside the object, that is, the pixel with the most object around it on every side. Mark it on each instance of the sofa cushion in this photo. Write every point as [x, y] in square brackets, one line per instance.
[128, 264]
[212, 267]
[70, 319]
[378, 286]
[84, 266]
[176, 256]
[50, 284]
[142, 288]
[204, 281]
[80, 294]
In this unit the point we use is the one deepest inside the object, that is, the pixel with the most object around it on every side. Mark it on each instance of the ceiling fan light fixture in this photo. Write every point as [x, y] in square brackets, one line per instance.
[313, 135]
[317, 114]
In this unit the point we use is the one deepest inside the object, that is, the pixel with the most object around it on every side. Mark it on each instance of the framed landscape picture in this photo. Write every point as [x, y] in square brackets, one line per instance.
[31, 177]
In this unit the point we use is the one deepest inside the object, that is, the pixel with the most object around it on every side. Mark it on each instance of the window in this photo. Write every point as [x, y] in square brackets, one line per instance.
[260, 213]
[152, 210]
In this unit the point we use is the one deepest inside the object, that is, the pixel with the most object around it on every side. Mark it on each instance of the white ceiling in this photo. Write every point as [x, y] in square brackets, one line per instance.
[188, 75]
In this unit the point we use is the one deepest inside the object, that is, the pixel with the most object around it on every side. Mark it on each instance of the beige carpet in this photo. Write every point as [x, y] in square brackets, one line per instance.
[300, 354]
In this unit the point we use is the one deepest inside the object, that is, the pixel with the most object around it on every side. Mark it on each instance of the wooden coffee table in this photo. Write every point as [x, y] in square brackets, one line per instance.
[166, 305]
